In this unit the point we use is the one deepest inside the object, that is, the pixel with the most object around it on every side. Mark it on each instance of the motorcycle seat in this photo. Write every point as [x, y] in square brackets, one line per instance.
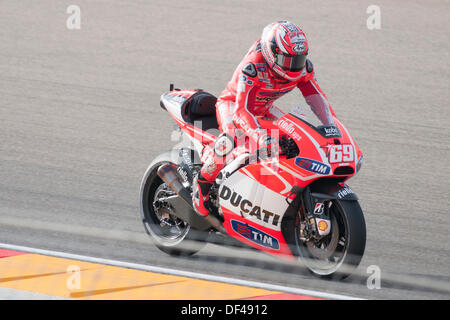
[200, 111]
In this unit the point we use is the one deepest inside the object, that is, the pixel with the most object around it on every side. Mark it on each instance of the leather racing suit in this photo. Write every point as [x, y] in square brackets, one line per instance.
[251, 92]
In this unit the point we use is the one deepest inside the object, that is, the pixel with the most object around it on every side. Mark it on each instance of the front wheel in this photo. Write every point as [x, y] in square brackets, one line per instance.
[340, 252]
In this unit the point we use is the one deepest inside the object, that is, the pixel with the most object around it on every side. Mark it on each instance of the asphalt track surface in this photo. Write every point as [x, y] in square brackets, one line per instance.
[80, 121]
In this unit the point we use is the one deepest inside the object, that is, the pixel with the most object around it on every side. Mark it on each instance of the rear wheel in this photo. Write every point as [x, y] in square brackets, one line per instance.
[340, 252]
[170, 234]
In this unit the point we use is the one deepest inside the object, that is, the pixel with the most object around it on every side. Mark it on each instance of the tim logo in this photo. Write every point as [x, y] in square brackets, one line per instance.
[255, 235]
[312, 165]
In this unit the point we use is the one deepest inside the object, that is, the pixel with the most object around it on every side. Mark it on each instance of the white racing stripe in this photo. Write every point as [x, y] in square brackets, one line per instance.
[181, 273]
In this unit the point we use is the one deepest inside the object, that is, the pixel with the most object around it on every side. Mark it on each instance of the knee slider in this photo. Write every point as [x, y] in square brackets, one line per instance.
[223, 145]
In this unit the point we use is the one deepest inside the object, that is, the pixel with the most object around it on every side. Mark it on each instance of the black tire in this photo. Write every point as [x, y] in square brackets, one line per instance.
[348, 224]
[189, 241]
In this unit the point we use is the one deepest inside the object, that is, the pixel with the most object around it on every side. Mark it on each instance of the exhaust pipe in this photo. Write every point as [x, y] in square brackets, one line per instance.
[169, 175]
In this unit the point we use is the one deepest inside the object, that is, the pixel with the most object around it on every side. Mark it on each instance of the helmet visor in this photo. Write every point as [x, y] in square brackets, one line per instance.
[290, 63]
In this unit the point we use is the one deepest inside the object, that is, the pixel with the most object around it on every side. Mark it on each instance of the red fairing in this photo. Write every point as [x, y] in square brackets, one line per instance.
[253, 96]
[279, 246]
[253, 199]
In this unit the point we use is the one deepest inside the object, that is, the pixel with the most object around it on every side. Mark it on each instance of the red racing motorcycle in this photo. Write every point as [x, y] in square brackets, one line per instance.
[296, 206]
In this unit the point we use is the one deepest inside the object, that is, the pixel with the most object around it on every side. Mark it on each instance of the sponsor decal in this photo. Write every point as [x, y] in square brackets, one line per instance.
[331, 131]
[243, 81]
[267, 100]
[289, 128]
[270, 95]
[267, 83]
[297, 36]
[255, 235]
[344, 192]
[263, 75]
[322, 225]
[183, 174]
[318, 209]
[313, 165]
[246, 207]
[261, 67]
[275, 93]
[299, 47]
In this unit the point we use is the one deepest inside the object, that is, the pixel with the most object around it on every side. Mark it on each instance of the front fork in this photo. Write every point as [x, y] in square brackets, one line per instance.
[314, 215]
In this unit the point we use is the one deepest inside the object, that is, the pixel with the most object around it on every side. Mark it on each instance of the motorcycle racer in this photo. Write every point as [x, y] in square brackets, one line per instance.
[275, 65]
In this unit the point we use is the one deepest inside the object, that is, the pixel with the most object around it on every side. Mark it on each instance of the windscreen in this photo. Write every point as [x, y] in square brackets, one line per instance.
[318, 115]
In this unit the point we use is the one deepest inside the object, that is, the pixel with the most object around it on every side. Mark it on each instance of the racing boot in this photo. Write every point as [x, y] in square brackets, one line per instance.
[200, 197]
[201, 203]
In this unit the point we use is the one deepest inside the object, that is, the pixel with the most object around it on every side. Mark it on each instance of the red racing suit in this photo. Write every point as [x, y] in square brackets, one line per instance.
[251, 92]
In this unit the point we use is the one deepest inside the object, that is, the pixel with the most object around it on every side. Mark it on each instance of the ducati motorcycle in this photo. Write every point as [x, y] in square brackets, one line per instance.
[296, 206]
